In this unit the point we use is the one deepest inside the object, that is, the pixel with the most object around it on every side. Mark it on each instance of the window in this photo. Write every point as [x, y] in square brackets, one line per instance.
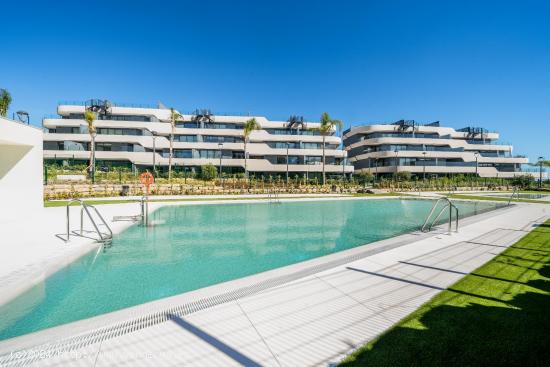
[74, 145]
[125, 118]
[187, 124]
[115, 131]
[283, 145]
[311, 145]
[209, 153]
[181, 153]
[67, 130]
[312, 159]
[221, 139]
[185, 138]
[114, 147]
[53, 145]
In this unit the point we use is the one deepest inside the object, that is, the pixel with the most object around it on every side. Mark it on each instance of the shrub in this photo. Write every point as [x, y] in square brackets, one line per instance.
[208, 172]
[403, 176]
[363, 178]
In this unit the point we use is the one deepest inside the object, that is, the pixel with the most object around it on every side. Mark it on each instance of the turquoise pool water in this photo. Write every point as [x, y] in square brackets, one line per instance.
[192, 247]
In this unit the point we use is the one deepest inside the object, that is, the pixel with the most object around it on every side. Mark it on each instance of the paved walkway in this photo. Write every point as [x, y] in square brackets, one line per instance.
[316, 320]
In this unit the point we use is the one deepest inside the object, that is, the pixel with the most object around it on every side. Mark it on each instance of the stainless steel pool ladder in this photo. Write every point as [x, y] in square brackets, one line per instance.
[143, 217]
[515, 193]
[273, 196]
[428, 223]
[104, 238]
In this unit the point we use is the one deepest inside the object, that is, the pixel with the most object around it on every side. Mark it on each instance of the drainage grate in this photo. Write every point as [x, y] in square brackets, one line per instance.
[28, 356]
[33, 354]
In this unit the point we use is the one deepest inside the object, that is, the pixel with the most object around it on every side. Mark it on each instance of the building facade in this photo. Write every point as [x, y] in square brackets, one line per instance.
[139, 138]
[430, 149]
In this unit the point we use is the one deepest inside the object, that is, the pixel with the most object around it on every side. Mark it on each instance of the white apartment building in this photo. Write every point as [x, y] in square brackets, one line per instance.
[430, 149]
[139, 138]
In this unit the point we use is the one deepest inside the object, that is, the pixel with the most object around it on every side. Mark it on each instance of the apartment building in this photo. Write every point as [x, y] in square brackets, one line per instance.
[138, 137]
[430, 149]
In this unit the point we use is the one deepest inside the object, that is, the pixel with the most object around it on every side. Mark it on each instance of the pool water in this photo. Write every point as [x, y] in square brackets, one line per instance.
[194, 246]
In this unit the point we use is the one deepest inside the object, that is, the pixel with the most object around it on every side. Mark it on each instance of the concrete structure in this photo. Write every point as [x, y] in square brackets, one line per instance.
[139, 137]
[21, 193]
[430, 150]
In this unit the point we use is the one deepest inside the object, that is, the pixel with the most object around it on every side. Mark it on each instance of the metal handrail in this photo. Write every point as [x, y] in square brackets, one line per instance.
[143, 216]
[110, 235]
[514, 192]
[451, 206]
[144, 211]
[273, 196]
[85, 208]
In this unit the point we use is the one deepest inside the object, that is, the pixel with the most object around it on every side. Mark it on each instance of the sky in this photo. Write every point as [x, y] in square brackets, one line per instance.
[463, 63]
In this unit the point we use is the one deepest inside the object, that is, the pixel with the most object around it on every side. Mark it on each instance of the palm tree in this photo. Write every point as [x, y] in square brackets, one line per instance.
[174, 116]
[328, 125]
[248, 127]
[5, 101]
[90, 116]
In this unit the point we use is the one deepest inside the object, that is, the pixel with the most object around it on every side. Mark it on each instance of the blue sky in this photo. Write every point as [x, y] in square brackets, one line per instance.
[481, 63]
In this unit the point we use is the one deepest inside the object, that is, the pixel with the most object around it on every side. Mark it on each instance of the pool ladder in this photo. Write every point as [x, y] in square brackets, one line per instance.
[515, 193]
[273, 197]
[429, 223]
[104, 238]
[143, 217]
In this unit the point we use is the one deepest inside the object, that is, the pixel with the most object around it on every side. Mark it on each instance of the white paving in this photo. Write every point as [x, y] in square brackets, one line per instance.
[318, 319]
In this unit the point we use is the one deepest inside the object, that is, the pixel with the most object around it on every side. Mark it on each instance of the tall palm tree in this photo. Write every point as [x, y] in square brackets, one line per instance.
[249, 126]
[328, 125]
[90, 116]
[174, 116]
[5, 101]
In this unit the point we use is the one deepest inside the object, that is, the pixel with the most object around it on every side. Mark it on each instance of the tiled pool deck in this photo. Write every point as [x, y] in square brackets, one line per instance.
[311, 320]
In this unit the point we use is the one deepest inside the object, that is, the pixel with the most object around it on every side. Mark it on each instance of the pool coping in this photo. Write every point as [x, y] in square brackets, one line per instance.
[73, 335]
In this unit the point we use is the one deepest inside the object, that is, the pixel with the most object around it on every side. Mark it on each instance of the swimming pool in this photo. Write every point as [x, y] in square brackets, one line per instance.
[194, 246]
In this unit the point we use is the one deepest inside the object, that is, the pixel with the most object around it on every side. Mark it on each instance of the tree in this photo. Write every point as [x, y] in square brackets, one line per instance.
[249, 126]
[363, 178]
[523, 181]
[90, 116]
[174, 116]
[328, 125]
[402, 176]
[208, 172]
[5, 101]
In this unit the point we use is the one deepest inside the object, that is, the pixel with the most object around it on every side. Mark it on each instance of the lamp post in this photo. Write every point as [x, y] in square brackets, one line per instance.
[424, 168]
[396, 166]
[541, 159]
[287, 145]
[476, 154]
[344, 166]
[220, 145]
[154, 151]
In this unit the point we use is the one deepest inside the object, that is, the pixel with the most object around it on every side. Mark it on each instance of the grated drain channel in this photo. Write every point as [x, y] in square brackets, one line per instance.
[27, 356]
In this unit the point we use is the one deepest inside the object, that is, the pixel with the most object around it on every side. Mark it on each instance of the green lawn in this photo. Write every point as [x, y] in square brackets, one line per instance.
[499, 315]
[92, 201]
[494, 198]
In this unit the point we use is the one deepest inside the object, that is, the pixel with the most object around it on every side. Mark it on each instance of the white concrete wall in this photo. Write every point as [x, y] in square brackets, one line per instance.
[21, 189]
